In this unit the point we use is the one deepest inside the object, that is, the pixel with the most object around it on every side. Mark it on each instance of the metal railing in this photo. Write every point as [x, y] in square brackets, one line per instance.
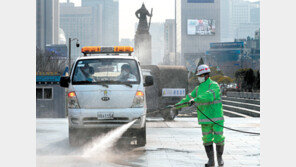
[246, 95]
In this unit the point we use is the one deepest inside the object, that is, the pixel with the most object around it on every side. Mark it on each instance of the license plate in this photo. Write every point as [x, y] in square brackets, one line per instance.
[105, 115]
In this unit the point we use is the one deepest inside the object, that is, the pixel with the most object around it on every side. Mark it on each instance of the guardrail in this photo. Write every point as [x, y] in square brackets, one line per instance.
[246, 95]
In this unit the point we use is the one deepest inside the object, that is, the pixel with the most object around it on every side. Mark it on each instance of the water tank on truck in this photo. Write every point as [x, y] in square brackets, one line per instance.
[170, 86]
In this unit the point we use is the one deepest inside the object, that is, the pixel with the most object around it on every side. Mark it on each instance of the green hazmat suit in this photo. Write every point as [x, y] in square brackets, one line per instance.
[207, 97]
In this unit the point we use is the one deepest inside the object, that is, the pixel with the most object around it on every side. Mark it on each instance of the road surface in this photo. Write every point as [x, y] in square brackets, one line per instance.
[177, 143]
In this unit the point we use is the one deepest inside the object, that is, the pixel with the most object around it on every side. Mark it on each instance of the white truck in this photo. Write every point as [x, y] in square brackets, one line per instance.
[105, 89]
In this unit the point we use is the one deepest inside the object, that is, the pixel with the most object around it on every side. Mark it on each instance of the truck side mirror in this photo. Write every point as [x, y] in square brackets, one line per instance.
[148, 81]
[64, 81]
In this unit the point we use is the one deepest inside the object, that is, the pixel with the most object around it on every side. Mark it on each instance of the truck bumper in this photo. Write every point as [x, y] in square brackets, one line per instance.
[88, 118]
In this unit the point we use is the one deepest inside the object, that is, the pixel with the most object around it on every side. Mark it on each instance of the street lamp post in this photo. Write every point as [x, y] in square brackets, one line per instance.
[77, 45]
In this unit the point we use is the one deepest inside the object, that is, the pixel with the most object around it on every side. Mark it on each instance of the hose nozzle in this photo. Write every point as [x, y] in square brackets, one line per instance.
[170, 106]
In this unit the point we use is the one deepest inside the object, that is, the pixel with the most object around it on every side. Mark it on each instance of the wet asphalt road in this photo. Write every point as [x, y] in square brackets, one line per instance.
[176, 143]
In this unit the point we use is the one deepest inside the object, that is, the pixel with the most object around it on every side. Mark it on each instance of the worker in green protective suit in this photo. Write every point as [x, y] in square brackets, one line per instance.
[207, 97]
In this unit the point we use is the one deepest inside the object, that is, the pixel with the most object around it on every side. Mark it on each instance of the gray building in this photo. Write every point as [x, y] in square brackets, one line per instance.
[108, 10]
[47, 22]
[197, 25]
[84, 23]
[169, 42]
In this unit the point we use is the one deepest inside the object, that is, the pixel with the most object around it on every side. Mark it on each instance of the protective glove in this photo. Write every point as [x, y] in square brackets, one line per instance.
[191, 102]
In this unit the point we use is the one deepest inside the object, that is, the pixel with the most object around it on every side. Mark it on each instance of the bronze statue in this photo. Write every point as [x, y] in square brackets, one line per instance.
[143, 26]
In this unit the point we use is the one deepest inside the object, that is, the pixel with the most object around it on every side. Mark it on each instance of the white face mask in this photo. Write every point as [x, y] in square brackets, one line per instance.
[124, 73]
[201, 79]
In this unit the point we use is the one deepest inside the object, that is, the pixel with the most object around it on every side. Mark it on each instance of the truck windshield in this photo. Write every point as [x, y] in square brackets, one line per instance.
[106, 71]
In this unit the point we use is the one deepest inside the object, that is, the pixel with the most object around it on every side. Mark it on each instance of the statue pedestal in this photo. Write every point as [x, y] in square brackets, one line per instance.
[143, 48]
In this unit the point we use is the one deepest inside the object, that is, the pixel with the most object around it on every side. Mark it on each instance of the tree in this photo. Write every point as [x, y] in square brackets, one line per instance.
[239, 77]
[47, 62]
[245, 79]
[222, 79]
[250, 79]
[215, 71]
[257, 80]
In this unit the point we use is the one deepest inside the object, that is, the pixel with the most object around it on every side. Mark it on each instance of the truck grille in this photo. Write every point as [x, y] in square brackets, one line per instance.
[96, 121]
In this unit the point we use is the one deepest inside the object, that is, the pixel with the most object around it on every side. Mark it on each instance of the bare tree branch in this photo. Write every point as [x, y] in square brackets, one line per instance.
[47, 62]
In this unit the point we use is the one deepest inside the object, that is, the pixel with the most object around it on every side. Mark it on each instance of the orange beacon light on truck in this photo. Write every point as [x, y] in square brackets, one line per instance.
[107, 50]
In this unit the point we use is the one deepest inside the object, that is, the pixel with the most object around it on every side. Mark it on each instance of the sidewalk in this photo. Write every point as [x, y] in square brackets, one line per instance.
[180, 141]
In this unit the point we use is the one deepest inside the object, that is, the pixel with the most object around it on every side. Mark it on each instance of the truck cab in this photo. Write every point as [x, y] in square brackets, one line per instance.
[105, 90]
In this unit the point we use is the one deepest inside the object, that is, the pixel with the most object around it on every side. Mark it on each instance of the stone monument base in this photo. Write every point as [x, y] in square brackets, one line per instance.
[143, 48]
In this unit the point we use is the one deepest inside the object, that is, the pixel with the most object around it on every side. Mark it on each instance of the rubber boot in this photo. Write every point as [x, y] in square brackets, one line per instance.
[210, 153]
[220, 149]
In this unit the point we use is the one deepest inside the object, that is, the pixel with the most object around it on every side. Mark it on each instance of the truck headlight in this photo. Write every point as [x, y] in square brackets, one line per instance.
[72, 100]
[138, 101]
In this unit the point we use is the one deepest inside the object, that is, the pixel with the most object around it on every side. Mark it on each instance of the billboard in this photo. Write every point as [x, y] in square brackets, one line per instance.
[48, 78]
[223, 52]
[200, 1]
[227, 45]
[201, 27]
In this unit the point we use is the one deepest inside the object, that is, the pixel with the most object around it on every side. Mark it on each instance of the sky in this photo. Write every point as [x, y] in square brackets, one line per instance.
[162, 10]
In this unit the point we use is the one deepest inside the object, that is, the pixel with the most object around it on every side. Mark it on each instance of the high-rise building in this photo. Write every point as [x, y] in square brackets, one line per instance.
[255, 13]
[108, 10]
[197, 25]
[84, 23]
[157, 43]
[239, 19]
[47, 22]
[225, 16]
[240, 14]
[245, 18]
[245, 30]
[169, 42]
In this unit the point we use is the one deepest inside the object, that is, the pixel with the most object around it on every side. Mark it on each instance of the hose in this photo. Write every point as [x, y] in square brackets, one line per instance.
[241, 131]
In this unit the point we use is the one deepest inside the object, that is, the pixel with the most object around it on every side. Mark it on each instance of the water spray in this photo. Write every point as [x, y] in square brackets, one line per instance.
[103, 143]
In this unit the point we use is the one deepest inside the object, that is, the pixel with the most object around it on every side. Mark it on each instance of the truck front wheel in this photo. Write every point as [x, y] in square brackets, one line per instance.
[73, 138]
[141, 137]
